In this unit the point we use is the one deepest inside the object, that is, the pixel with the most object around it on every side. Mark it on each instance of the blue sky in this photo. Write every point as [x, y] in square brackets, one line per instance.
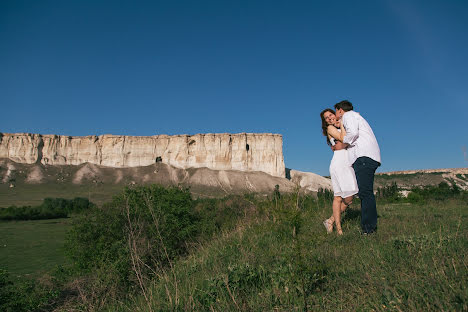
[186, 67]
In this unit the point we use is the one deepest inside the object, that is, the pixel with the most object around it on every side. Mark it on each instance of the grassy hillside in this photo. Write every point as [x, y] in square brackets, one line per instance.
[245, 253]
[416, 262]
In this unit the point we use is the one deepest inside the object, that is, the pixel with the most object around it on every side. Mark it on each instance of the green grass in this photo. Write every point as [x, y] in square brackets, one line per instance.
[417, 261]
[279, 258]
[31, 248]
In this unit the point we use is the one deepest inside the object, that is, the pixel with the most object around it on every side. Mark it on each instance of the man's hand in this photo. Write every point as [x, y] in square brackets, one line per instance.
[339, 146]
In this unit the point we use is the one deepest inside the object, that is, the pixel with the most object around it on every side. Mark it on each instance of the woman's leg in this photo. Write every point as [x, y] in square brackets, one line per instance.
[337, 202]
[343, 206]
[346, 202]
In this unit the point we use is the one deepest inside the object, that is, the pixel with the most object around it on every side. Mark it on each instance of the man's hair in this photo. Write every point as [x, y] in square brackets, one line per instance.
[345, 105]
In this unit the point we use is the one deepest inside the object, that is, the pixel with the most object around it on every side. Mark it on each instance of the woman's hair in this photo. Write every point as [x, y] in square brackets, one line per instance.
[325, 124]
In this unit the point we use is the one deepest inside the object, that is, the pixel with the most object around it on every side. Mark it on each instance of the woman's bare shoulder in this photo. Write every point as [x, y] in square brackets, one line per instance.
[331, 128]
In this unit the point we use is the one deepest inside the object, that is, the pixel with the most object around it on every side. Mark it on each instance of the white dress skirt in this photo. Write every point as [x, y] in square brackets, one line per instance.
[342, 174]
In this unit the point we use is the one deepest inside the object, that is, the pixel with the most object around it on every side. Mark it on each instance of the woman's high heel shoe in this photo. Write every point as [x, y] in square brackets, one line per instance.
[328, 225]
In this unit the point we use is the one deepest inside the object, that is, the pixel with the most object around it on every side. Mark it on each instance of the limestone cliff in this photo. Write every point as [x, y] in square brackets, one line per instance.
[220, 151]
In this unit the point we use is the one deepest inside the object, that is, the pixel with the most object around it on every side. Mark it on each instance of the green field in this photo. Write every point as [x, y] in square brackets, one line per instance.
[30, 248]
[33, 194]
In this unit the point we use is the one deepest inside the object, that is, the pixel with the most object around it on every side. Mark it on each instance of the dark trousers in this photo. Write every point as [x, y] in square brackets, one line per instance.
[365, 167]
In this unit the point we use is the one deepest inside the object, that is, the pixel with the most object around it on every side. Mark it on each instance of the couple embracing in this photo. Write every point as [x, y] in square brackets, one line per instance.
[356, 156]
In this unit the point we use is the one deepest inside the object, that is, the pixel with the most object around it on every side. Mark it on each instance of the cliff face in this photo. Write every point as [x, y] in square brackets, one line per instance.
[243, 151]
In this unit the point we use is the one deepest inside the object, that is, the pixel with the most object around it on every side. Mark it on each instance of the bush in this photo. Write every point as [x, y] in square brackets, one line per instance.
[422, 194]
[390, 193]
[51, 208]
[6, 292]
[415, 198]
[121, 245]
[24, 295]
[217, 214]
[441, 192]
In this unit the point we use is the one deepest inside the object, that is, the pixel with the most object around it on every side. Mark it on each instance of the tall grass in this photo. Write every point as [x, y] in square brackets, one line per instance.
[416, 262]
[285, 261]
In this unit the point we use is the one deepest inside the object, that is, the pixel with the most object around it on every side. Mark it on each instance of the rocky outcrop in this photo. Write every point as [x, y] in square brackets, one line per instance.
[243, 151]
[446, 170]
[309, 181]
[416, 178]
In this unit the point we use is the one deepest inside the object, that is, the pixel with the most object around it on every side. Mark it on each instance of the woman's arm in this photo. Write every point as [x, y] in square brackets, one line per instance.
[334, 133]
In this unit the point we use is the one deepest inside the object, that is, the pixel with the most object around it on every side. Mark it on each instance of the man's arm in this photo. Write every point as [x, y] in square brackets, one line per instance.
[339, 146]
[352, 129]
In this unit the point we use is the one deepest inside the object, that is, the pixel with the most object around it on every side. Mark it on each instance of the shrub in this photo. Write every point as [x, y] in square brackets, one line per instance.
[51, 208]
[389, 193]
[217, 214]
[6, 292]
[443, 191]
[25, 295]
[122, 244]
[415, 198]
[276, 193]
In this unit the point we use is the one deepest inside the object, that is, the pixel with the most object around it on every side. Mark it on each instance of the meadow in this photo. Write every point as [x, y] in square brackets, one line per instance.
[25, 194]
[31, 248]
[247, 253]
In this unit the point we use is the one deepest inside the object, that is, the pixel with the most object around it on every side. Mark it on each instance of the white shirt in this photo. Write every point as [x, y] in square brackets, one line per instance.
[360, 137]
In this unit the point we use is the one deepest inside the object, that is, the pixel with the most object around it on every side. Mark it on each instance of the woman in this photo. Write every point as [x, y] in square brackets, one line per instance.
[341, 173]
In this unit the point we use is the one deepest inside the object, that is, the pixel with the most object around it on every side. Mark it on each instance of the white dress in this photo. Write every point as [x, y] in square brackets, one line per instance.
[342, 174]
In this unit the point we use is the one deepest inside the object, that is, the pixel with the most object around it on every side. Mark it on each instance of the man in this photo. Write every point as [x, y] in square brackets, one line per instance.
[364, 154]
